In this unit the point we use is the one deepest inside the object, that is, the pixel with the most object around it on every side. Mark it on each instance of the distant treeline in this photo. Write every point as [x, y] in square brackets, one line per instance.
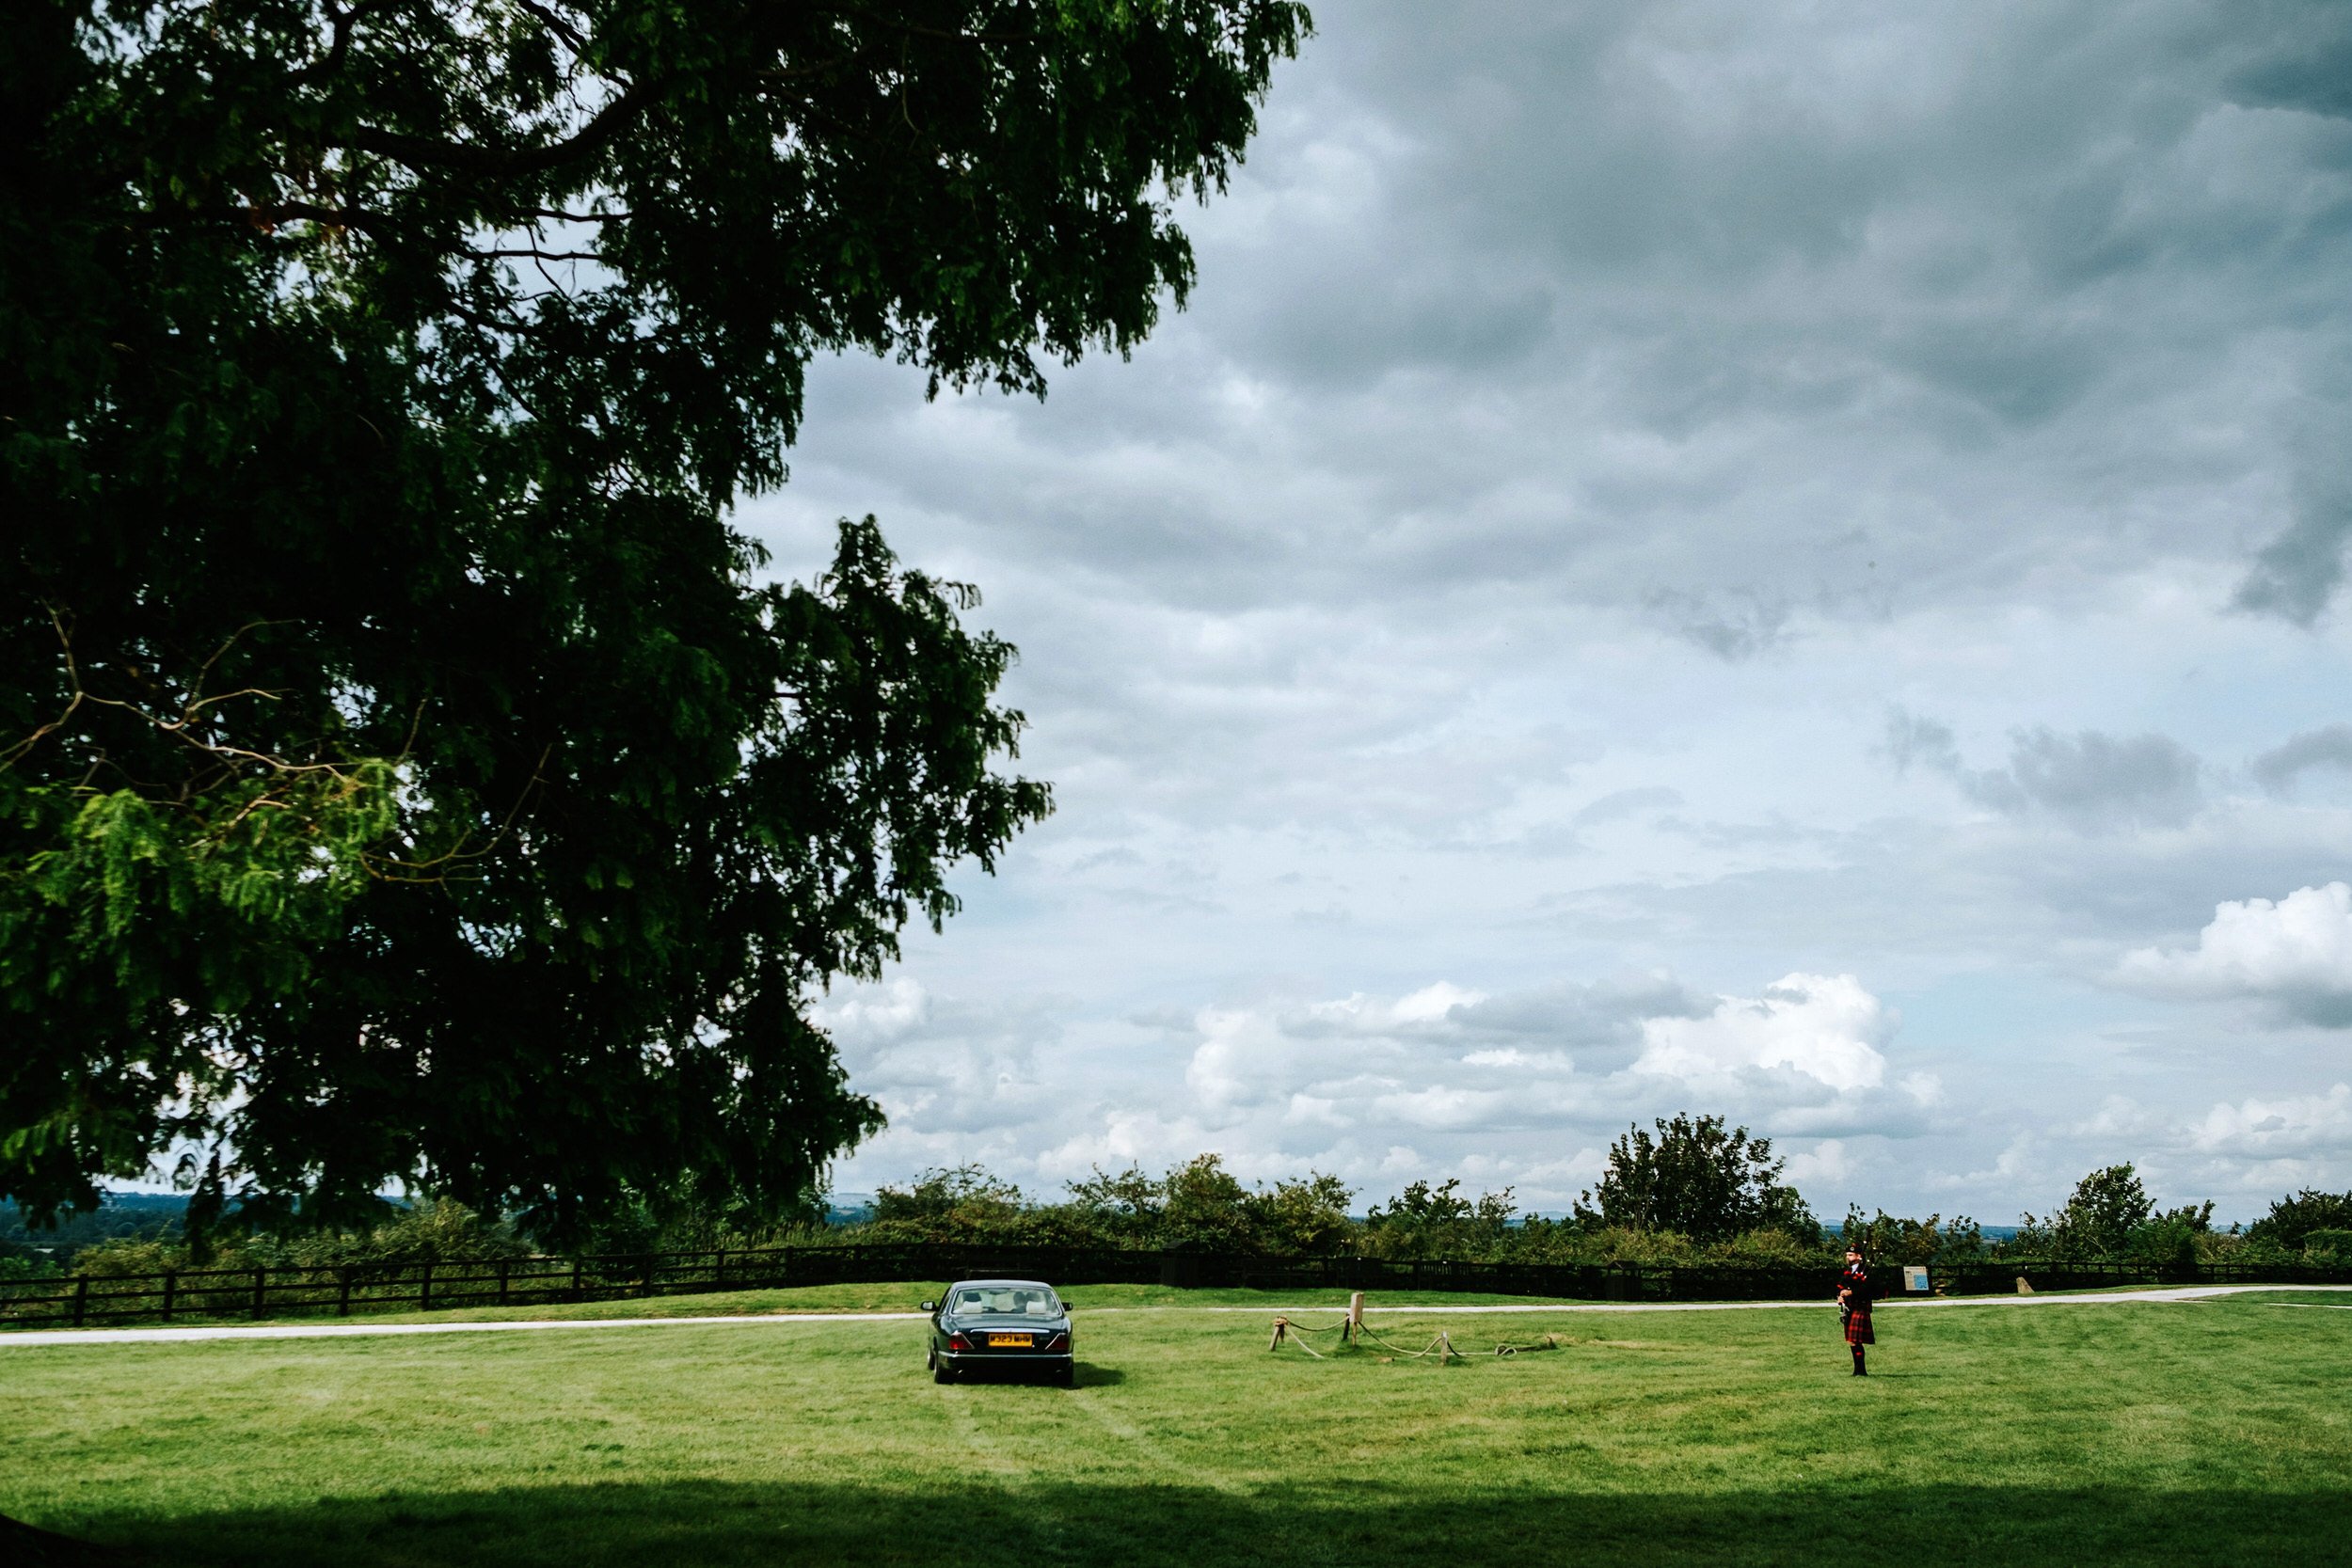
[1692, 1192]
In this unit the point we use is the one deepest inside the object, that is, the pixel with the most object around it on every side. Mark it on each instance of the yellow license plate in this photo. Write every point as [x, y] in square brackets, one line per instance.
[1018, 1341]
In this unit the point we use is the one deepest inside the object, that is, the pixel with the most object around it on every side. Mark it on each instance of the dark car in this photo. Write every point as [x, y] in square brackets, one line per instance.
[1003, 1325]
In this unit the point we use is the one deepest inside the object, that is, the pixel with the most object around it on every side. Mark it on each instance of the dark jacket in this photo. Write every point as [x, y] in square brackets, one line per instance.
[1854, 1283]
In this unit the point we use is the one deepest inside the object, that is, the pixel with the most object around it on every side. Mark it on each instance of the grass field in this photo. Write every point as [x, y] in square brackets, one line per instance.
[2207, 1432]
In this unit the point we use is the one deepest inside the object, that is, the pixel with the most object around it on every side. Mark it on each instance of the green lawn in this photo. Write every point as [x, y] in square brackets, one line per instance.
[2216, 1432]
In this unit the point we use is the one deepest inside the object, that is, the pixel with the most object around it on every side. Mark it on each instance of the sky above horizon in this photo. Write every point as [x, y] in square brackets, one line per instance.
[1768, 559]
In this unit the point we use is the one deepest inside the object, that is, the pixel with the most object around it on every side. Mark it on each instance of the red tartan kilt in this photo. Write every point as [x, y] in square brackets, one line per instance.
[1858, 1329]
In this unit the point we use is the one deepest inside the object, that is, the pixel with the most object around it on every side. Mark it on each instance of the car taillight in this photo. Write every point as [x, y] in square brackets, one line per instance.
[1059, 1341]
[957, 1341]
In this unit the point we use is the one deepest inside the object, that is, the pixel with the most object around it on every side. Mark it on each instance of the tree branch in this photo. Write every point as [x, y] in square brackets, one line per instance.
[464, 158]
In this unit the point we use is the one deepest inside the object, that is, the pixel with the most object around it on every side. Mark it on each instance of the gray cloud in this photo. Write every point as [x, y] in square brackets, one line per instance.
[2295, 575]
[1912, 740]
[2330, 746]
[1729, 626]
[2302, 61]
[1618, 804]
[2091, 782]
[1592, 423]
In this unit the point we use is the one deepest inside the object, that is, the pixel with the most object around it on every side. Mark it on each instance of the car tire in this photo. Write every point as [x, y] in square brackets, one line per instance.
[1067, 1376]
[941, 1372]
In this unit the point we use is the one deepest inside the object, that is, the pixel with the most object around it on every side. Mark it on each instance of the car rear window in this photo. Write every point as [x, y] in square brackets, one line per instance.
[1025, 1301]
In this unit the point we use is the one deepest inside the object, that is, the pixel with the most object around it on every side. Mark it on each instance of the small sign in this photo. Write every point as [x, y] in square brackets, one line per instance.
[1914, 1277]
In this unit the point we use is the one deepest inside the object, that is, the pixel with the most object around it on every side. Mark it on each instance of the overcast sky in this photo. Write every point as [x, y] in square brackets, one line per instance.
[1763, 558]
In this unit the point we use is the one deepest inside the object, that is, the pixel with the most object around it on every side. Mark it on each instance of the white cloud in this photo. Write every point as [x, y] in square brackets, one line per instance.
[1826, 1161]
[1432, 1003]
[1492, 1088]
[1824, 1026]
[2293, 1126]
[874, 1015]
[2295, 954]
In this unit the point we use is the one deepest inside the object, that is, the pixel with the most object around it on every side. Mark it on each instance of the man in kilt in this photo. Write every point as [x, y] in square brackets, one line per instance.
[1854, 1306]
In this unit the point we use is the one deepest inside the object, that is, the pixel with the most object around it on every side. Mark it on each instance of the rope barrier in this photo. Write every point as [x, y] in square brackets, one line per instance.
[1550, 1341]
[1352, 1329]
[1284, 1328]
[1441, 1347]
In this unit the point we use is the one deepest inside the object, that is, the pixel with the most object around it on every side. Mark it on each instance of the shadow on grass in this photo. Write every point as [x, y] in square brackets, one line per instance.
[1356, 1524]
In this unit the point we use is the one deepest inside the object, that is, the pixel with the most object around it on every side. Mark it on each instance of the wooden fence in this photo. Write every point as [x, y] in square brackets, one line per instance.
[85, 1300]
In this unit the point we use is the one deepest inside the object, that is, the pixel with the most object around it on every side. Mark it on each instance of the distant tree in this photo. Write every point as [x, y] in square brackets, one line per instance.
[1304, 1217]
[1420, 1206]
[1203, 1205]
[1888, 1239]
[967, 1194]
[2292, 1220]
[2167, 1241]
[1696, 1179]
[2098, 1220]
[1126, 1203]
[1426, 1221]
[1200, 1203]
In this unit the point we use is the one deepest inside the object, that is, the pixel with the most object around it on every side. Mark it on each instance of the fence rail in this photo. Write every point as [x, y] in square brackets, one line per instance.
[83, 1300]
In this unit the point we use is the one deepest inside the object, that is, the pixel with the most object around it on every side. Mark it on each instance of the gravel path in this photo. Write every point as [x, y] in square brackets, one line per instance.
[778, 1320]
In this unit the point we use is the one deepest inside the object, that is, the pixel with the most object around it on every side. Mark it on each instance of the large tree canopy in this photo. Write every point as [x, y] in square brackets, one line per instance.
[1697, 1177]
[403, 774]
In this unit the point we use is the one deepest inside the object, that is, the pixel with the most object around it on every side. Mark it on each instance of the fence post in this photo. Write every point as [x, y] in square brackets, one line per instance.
[424, 1296]
[503, 1265]
[645, 1287]
[719, 1271]
[81, 1298]
[343, 1292]
[171, 1283]
[260, 1284]
[576, 1266]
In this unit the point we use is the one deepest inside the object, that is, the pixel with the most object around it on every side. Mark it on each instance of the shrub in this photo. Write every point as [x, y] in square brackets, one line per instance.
[432, 1232]
[2292, 1220]
[28, 1265]
[2330, 1244]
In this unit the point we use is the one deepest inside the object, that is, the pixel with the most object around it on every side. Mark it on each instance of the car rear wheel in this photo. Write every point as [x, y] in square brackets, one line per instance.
[940, 1372]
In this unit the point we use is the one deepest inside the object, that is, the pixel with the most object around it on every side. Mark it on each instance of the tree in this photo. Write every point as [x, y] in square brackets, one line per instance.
[1697, 1180]
[1204, 1205]
[963, 1197]
[1425, 1221]
[1890, 1238]
[1127, 1203]
[403, 773]
[2099, 1216]
[2292, 1220]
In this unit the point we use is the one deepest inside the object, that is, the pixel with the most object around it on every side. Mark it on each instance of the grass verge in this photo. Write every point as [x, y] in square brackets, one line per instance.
[2209, 1433]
